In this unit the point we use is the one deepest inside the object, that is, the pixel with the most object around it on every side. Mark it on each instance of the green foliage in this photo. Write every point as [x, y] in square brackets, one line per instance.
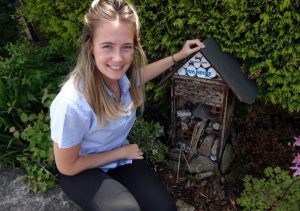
[58, 20]
[276, 191]
[27, 72]
[36, 153]
[28, 77]
[37, 159]
[263, 35]
[146, 135]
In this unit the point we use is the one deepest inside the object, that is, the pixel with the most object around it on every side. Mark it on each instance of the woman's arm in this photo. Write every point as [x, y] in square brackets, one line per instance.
[69, 162]
[154, 69]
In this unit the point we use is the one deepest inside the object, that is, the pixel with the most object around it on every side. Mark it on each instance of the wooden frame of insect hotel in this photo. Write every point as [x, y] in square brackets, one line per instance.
[203, 91]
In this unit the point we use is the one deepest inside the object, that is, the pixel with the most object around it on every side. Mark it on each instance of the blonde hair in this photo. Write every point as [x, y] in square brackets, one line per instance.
[86, 71]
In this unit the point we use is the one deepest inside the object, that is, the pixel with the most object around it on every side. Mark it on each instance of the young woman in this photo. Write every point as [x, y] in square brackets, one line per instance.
[95, 110]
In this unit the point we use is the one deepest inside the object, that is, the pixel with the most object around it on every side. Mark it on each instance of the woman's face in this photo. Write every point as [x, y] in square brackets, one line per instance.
[113, 49]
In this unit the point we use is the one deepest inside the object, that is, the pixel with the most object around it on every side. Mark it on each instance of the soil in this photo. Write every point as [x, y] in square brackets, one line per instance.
[264, 134]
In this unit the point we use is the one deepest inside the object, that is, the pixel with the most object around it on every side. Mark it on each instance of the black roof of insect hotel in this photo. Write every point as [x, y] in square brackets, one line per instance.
[229, 70]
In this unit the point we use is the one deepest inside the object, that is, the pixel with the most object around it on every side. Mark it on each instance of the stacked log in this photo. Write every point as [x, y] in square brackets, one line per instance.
[198, 131]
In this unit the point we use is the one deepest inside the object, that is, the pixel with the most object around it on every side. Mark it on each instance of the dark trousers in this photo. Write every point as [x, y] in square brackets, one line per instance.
[130, 187]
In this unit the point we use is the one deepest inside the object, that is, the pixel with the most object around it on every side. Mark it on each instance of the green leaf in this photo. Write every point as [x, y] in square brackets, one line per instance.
[178, 23]
[16, 134]
[24, 117]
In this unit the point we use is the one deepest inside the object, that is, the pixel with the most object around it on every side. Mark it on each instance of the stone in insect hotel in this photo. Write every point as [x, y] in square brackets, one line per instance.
[204, 88]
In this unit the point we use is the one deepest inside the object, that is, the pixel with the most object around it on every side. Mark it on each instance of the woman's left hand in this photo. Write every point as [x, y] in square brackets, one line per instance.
[189, 47]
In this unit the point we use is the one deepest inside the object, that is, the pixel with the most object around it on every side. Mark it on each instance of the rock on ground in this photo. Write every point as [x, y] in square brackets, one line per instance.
[16, 195]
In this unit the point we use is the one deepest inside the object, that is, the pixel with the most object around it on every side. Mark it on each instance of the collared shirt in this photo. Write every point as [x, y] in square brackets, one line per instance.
[74, 122]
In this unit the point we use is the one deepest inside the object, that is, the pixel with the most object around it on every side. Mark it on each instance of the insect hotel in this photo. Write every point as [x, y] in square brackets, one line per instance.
[204, 87]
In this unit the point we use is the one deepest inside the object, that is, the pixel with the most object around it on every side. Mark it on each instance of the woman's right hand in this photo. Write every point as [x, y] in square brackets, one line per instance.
[132, 151]
[70, 162]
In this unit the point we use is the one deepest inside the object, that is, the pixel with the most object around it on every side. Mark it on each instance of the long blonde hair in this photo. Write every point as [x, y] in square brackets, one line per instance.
[86, 71]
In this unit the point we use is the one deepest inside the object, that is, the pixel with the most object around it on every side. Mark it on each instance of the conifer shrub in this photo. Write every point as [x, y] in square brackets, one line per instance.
[263, 35]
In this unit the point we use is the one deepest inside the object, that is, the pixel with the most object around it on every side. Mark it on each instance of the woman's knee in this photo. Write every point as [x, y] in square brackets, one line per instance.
[93, 190]
[113, 196]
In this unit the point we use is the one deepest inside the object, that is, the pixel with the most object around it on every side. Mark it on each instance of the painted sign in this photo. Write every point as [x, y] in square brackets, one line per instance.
[198, 66]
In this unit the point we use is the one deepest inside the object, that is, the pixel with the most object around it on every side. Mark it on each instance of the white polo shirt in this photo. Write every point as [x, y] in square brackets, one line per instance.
[74, 122]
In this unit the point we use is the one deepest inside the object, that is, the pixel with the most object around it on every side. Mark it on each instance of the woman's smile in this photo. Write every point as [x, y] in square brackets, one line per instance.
[113, 49]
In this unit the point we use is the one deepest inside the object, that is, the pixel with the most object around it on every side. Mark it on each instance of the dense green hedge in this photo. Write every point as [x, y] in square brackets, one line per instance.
[56, 19]
[264, 35]
[28, 71]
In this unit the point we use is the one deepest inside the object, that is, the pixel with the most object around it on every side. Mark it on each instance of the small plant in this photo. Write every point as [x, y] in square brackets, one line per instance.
[296, 161]
[28, 74]
[278, 190]
[37, 157]
[146, 135]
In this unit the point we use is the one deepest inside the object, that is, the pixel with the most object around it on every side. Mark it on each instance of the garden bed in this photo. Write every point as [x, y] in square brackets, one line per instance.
[264, 134]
